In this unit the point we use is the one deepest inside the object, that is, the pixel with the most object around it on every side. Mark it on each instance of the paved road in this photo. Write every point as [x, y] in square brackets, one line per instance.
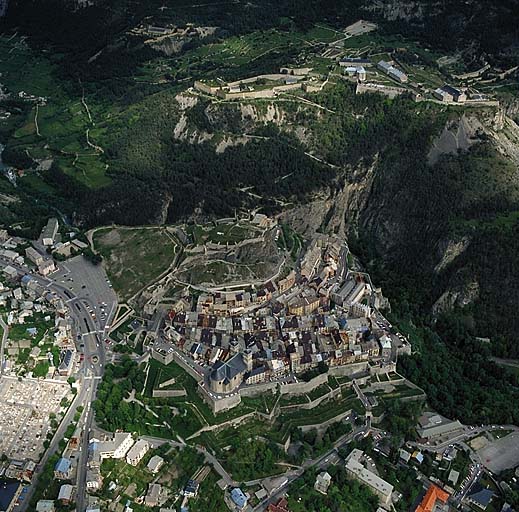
[466, 434]
[84, 288]
[5, 332]
[320, 463]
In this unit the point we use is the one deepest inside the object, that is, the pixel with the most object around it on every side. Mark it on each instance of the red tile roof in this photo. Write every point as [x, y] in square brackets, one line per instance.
[432, 495]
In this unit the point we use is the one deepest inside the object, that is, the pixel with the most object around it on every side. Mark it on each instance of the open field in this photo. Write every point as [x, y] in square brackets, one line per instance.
[501, 454]
[219, 272]
[133, 258]
[222, 233]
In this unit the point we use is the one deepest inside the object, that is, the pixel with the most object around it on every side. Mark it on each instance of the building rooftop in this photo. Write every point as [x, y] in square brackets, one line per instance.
[65, 492]
[155, 463]
[481, 497]
[433, 494]
[354, 465]
[451, 90]
[228, 370]
[8, 491]
[63, 465]
[50, 229]
[238, 497]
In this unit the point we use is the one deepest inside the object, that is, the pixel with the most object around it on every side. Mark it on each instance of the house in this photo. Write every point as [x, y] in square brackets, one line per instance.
[79, 244]
[454, 476]
[45, 506]
[450, 94]
[322, 482]
[356, 470]
[65, 494]
[46, 267]
[418, 456]
[63, 469]
[191, 489]
[435, 500]
[155, 464]
[34, 256]
[10, 272]
[152, 498]
[63, 249]
[256, 376]
[238, 498]
[137, 452]
[405, 455]
[358, 71]
[280, 506]
[49, 232]
[94, 480]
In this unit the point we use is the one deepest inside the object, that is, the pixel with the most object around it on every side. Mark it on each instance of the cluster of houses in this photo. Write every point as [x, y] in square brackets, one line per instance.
[26, 298]
[10, 254]
[321, 313]
[50, 238]
[120, 445]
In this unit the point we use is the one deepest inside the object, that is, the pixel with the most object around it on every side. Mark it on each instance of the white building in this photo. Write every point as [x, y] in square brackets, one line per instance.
[137, 452]
[155, 464]
[117, 447]
[358, 71]
[393, 72]
[45, 506]
[46, 267]
[93, 480]
[322, 482]
[356, 470]
[48, 235]
[66, 492]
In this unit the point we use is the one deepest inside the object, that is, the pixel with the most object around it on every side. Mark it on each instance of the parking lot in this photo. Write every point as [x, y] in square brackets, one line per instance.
[501, 454]
[85, 279]
[24, 415]
[90, 283]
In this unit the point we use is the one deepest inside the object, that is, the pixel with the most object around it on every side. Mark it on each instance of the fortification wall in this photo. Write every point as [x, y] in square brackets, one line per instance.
[300, 388]
[167, 393]
[325, 424]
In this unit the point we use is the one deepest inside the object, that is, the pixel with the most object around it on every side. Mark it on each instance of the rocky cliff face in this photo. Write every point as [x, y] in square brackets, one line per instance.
[407, 11]
[394, 213]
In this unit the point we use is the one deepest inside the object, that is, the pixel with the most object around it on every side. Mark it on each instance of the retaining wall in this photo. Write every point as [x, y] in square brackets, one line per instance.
[325, 424]
[167, 393]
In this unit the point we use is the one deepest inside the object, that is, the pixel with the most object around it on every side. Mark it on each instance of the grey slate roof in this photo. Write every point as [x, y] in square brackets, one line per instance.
[229, 369]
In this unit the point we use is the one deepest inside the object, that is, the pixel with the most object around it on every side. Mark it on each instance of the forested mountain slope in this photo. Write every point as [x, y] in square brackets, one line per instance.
[427, 194]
